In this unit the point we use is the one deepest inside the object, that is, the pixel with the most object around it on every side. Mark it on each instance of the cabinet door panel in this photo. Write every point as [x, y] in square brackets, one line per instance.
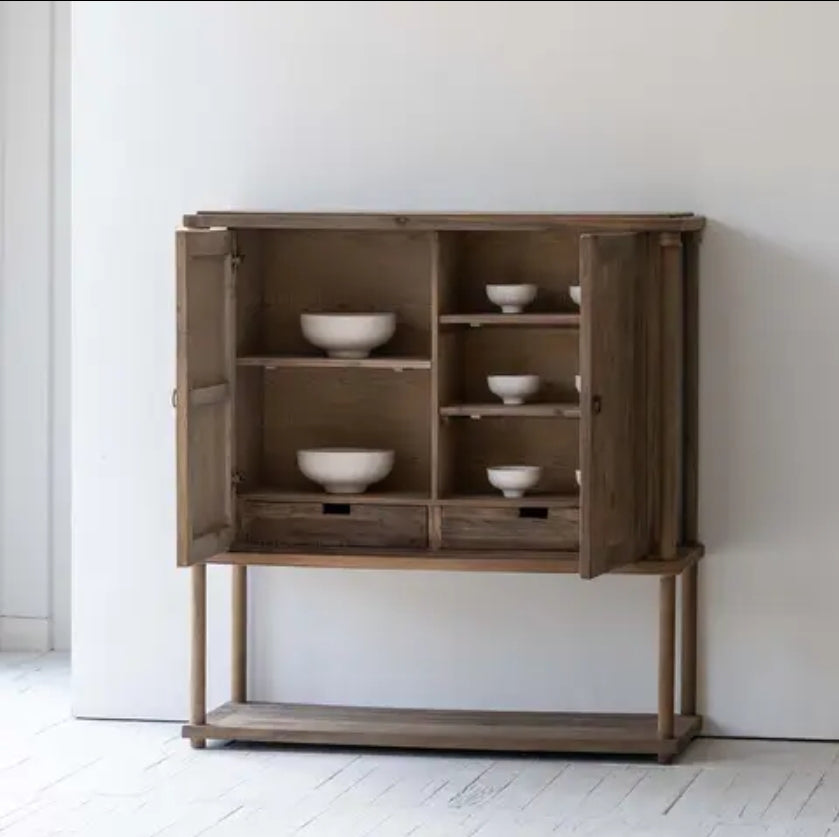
[206, 368]
[612, 421]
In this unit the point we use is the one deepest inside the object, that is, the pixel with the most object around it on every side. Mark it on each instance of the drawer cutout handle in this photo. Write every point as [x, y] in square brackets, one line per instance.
[534, 512]
[336, 508]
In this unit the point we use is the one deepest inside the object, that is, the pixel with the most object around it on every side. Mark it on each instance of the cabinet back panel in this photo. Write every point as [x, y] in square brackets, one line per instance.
[249, 419]
[475, 353]
[334, 270]
[549, 260]
[476, 445]
[375, 408]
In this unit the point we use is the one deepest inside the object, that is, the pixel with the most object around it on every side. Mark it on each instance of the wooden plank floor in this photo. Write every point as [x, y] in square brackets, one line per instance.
[62, 776]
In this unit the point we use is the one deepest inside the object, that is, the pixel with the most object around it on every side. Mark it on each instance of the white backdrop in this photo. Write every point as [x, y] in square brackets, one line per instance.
[721, 108]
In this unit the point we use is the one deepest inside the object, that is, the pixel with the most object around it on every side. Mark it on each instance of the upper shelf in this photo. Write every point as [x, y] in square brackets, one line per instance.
[561, 320]
[317, 362]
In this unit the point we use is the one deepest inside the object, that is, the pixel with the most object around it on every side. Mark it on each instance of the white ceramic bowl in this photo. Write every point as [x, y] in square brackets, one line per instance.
[511, 298]
[513, 389]
[578, 383]
[574, 293]
[348, 335]
[345, 470]
[514, 480]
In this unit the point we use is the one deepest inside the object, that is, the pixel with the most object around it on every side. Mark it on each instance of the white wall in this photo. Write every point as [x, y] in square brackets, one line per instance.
[34, 327]
[722, 108]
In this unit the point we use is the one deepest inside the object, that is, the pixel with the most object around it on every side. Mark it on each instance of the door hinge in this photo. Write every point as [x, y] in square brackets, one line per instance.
[236, 260]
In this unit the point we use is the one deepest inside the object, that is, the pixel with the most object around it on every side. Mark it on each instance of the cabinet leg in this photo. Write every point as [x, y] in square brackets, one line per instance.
[198, 672]
[666, 654]
[239, 617]
[688, 662]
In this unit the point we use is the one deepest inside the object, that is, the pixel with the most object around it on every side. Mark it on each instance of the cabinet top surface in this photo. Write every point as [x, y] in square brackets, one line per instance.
[591, 221]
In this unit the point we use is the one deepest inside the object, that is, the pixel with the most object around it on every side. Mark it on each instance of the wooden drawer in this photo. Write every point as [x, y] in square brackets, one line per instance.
[278, 524]
[527, 527]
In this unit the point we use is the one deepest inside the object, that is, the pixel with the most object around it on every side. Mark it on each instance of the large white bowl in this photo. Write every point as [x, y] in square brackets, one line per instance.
[345, 470]
[348, 335]
[513, 389]
[514, 480]
[511, 298]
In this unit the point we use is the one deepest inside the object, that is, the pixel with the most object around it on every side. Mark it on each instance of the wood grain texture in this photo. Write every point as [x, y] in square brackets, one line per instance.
[490, 527]
[198, 650]
[553, 444]
[366, 408]
[334, 523]
[688, 660]
[610, 428]
[450, 560]
[549, 260]
[690, 418]
[239, 634]
[397, 364]
[338, 270]
[581, 222]
[205, 388]
[666, 656]
[394, 498]
[555, 732]
[672, 395]
[557, 320]
[536, 410]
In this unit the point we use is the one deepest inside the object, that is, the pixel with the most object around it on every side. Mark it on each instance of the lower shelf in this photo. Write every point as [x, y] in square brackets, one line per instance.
[547, 732]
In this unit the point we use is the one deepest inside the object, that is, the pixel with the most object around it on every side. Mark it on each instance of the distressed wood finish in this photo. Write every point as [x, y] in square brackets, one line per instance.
[239, 634]
[672, 406]
[205, 371]
[332, 523]
[666, 656]
[198, 651]
[457, 222]
[251, 392]
[610, 429]
[546, 732]
[528, 527]
[508, 561]
[690, 480]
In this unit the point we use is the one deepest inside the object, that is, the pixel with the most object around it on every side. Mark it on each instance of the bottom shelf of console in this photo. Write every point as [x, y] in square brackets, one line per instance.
[533, 732]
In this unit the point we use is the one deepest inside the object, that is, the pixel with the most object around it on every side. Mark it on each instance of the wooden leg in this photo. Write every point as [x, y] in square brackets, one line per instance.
[198, 680]
[688, 662]
[239, 674]
[666, 655]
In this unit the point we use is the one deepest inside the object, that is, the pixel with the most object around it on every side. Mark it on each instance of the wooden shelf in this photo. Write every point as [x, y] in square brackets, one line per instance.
[554, 501]
[444, 729]
[317, 362]
[570, 410]
[390, 498]
[451, 560]
[562, 320]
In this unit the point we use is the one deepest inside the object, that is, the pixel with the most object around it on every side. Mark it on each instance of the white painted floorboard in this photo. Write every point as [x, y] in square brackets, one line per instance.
[60, 776]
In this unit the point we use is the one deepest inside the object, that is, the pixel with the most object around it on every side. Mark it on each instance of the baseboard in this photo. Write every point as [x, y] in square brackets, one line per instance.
[22, 633]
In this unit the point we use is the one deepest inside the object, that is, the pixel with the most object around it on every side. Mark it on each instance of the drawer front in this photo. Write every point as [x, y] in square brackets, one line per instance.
[509, 528]
[281, 525]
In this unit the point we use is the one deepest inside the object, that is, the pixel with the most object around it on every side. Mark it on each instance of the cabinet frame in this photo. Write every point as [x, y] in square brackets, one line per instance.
[638, 408]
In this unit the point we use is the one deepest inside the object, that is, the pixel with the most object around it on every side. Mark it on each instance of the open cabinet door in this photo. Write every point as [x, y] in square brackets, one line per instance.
[612, 424]
[206, 369]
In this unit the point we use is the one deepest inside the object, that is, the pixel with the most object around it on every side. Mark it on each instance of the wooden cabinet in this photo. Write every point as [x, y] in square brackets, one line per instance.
[252, 392]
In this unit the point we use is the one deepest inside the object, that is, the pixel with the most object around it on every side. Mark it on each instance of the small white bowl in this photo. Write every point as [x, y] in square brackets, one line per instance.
[348, 335]
[578, 383]
[345, 470]
[511, 298]
[574, 293]
[514, 480]
[513, 389]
